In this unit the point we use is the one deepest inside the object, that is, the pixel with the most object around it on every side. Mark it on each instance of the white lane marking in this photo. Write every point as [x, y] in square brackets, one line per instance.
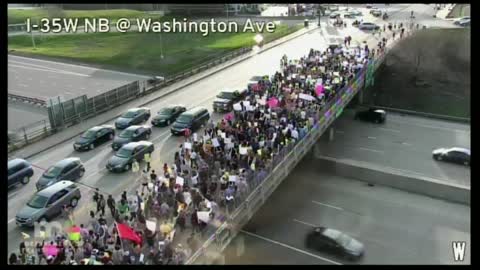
[11, 220]
[13, 194]
[49, 70]
[372, 138]
[371, 150]
[305, 223]
[328, 205]
[23, 64]
[290, 247]
[389, 129]
[77, 66]
[429, 126]
[407, 144]
[22, 85]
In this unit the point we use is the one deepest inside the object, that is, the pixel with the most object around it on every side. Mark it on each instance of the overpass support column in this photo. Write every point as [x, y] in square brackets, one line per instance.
[360, 96]
[331, 134]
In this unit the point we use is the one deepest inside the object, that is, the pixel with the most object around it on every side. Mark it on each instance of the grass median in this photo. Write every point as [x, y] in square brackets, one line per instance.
[142, 51]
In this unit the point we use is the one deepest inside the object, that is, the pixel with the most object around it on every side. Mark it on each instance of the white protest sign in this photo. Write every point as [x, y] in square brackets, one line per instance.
[179, 181]
[215, 142]
[206, 137]
[250, 108]
[227, 140]
[203, 216]
[223, 135]
[230, 145]
[336, 74]
[188, 145]
[262, 102]
[232, 178]
[246, 103]
[243, 150]
[237, 107]
[306, 97]
[151, 225]
[195, 137]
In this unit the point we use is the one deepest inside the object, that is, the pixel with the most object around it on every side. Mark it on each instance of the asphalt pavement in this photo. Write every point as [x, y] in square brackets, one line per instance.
[404, 143]
[24, 115]
[396, 227]
[200, 93]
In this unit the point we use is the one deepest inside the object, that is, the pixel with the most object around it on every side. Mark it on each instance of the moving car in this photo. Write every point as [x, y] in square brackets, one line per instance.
[131, 134]
[334, 15]
[333, 7]
[94, 137]
[19, 171]
[66, 169]
[352, 14]
[356, 12]
[191, 119]
[376, 12]
[254, 80]
[326, 239]
[455, 154]
[464, 21]
[372, 115]
[123, 158]
[225, 100]
[369, 5]
[168, 115]
[48, 203]
[133, 117]
[368, 26]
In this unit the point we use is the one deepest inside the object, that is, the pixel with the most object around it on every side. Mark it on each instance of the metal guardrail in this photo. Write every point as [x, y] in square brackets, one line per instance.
[28, 134]
[429, 115]
[27, 99]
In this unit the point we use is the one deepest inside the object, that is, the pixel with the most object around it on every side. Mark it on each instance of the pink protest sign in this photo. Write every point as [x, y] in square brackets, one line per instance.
[272, 102]
[319, 89]
[228, 116]
[50, 250]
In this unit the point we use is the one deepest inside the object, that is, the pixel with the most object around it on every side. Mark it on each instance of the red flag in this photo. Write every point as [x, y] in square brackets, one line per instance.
[127, 233]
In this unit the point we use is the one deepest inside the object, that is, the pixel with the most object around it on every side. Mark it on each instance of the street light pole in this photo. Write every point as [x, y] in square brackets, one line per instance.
[161, 46]
[33, 39]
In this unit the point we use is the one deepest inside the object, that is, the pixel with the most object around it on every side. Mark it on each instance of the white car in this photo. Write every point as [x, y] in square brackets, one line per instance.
[464, 21]
[368, 26]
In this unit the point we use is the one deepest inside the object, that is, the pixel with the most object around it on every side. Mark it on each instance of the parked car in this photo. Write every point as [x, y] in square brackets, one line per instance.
[123, 158]
[369, 6]
[225, 100]
[94, 137]
[19, 171]
[131, 134]
[334, 15]
[254, 80]
[372, 9]
[48, 203]
[70, 169]
[376, 12]
[372, 115]
[330, 240]
[192, 119]
[356, 12]
[133, 116]
[455, 155]
[368, 26]
[168, 115]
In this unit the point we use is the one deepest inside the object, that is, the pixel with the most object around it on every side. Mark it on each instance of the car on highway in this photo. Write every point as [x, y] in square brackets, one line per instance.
[372, 115]
[369, 6]
[352, 14]
[464, 21]
[225, 100]
[70, 169]
[48, 203]
[94, 137]
[133, 116]
[192, 119]
[333, 241]
[168, 115]
[19, 171]
[457, 155]
[368, 26]
[124, 157]
[131, 134]
[333, 7]
[254, 80]
[376, 12]
[334, 15]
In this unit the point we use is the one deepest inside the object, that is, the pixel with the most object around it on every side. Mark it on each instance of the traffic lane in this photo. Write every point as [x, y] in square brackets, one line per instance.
[249, 249]
[48, 82]
[374, 215]
[23, 115]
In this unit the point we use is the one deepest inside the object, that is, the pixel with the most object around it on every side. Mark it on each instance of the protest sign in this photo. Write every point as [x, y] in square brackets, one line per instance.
[188, 145]
[179, 181]
[215, 142]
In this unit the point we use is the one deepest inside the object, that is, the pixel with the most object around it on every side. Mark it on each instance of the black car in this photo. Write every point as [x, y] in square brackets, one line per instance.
[254, 80]
[372, 115]
[192, 119]
[123, 158]
[455, 155]
[376, 12]
[131, 134]
[94, 137]
[67, 169]
[19, 171]
[168, 115]
[225, 100]
[133, 116]
[329, 240]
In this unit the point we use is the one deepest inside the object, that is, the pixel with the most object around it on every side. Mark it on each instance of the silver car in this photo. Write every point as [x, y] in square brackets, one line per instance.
[48, 203]
[368, 26]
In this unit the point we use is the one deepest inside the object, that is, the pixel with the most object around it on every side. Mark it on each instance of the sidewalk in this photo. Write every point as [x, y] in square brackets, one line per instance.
[73, 131]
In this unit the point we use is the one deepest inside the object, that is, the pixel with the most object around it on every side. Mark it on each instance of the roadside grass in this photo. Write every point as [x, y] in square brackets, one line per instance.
[141, 51]
[18, 16]
[460, 10]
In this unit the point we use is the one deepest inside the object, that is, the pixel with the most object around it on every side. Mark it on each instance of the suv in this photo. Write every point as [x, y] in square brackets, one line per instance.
[19, 171]
[131, 134]
[225, 100]
[191, 119]
[372, 115]
[132, 117]
[48, 203]
[123, 159]
[67, 169]
[94, 137]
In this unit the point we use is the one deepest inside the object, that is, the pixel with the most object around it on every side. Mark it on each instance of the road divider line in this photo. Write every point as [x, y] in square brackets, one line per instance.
[328, 205]
[304, 223]
[372, 138]
[290, 247]
[389, 129]
[11, 220]
[371, 150]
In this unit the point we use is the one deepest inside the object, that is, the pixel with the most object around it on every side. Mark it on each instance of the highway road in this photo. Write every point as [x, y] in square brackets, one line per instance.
[22, 115]
[396, 227]
[403, 142]
[43, 79]
[201, 93]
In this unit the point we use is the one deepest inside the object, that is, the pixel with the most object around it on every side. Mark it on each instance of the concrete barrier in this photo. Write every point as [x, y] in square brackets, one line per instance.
[380, 175]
